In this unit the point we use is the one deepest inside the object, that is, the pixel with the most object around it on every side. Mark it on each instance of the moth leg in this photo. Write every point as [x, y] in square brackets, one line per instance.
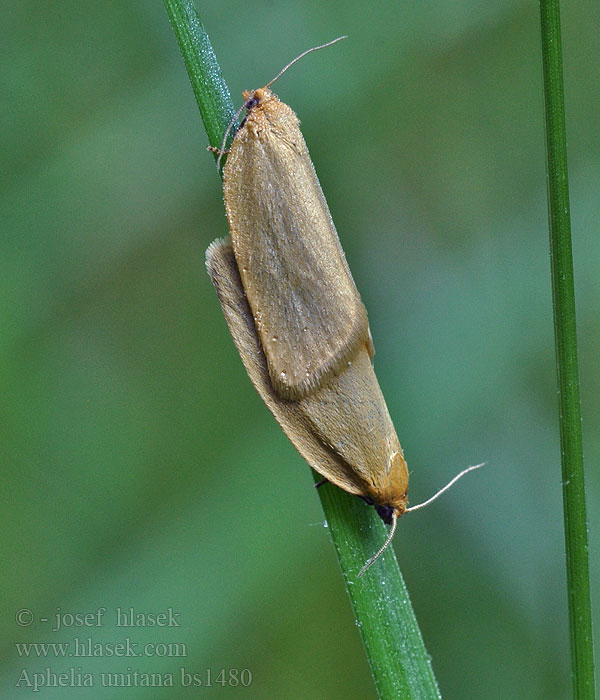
[320, 483]
[218, 151]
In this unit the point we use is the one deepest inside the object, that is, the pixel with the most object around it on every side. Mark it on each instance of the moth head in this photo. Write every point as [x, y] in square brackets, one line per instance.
[253, 98]
[386, 513]
[388, 496]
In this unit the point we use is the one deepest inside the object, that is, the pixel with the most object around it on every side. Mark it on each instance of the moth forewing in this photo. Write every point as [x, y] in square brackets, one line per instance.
[307, 310]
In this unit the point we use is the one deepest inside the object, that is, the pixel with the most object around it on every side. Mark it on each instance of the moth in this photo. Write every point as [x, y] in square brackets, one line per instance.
[295, 314]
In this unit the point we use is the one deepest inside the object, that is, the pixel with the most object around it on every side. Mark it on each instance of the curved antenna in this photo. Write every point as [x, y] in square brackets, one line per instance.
[281, 72]
[314, 48]
[224, 143]
[445, 488]
[384, 546]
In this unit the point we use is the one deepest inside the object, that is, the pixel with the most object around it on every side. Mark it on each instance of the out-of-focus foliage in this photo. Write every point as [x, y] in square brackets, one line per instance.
[140, 470]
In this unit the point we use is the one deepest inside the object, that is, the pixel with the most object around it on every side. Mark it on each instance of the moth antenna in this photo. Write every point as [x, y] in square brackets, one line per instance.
[445, 488]
[281, 72]
[227, 131]
[291, 63]
[384, 546]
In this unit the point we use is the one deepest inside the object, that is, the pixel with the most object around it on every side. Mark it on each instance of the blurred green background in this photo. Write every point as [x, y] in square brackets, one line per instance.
[140, 468]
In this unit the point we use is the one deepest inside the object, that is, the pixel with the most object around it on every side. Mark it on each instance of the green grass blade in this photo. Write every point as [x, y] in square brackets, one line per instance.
[382, 609]
[576, 540]
[212, 93]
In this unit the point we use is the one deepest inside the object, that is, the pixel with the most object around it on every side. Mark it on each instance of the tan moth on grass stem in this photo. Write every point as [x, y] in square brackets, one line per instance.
[295, 314]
